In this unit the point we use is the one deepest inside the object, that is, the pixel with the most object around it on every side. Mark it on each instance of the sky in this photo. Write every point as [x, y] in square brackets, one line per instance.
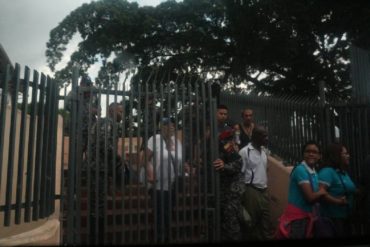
[25, 26]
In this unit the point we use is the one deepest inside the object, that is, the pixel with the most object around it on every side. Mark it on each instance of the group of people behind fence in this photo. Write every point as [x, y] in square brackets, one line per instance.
[242, 165]
[320, 197]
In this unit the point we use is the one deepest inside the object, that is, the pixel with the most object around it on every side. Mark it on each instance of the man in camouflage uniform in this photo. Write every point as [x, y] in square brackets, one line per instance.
[231, 187]
[89, 107]
[104, 159]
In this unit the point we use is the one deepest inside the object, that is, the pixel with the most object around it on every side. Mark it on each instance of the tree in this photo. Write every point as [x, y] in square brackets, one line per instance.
[273, 46]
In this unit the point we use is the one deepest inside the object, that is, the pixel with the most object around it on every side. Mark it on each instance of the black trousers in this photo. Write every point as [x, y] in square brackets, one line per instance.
[163, 207]
[342, 227]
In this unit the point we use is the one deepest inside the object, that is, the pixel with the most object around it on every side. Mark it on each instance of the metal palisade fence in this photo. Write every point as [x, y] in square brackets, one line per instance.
[107, 195]
[292, 120]
[28, 124]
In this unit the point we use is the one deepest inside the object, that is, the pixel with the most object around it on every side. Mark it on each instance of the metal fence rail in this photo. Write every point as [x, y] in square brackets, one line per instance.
[27, 146]
[291, 121]
[352, 122]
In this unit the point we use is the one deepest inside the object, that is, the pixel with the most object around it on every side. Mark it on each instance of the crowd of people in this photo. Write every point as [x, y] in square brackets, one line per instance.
[324, 190]
[320, 195]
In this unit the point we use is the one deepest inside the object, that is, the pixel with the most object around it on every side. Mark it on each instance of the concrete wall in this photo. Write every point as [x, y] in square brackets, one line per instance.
[41, 232]
[278, 183]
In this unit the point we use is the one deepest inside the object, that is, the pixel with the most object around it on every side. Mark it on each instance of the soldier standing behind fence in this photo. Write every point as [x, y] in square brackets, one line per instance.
[90, 107]
[102, 151]
[231, 188]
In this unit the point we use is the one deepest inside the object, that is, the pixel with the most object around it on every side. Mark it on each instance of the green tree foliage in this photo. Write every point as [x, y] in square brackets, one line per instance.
[273, 46]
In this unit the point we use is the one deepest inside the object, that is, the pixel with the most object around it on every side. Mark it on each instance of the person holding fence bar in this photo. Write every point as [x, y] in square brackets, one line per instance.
[297, 221]
[256, 198]
[231, 187]
[90, 107]
[243, 131]
[334, 178]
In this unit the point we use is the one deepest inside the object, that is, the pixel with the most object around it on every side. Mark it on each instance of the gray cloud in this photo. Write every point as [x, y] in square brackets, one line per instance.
[25, 26]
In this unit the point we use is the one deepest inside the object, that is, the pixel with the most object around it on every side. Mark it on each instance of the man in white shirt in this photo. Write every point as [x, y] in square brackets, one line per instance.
[255, 198]
[164, 156]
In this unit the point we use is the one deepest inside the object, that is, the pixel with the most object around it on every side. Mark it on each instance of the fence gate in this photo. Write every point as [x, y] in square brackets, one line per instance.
[108, 193]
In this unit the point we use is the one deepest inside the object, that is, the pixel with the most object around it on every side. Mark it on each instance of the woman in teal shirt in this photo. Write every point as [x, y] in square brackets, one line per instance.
[334, 178]
[297, 220]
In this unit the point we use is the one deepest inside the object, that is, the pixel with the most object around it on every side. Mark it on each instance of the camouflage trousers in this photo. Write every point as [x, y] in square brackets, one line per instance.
[231, 220]
[97, 213]
[97, 193]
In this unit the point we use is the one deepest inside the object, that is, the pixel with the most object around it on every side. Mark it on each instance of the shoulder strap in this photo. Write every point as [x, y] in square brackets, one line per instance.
[345, 189]
[341, 181]
[169, 152]
[252, 178]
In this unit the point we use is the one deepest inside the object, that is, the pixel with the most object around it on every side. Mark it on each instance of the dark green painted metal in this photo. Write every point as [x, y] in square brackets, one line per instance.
[4, 99]
[19, 192]
[53, 153]
[31, 147]
[39, 149]
[190, 122]
[11, 153]
[45, 166]
[72, 163]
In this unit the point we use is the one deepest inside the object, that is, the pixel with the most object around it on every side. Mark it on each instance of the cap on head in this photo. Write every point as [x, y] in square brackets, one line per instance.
[86, 80]
[167, 120]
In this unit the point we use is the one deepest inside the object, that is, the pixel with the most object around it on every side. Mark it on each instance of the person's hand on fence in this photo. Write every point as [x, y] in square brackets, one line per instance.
[218, 164]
